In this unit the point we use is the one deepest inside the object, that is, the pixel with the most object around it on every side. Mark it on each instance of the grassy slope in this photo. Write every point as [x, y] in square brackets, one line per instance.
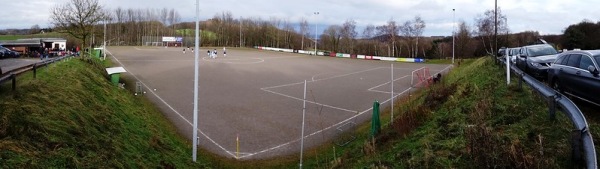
[71, 117]
[472, 120]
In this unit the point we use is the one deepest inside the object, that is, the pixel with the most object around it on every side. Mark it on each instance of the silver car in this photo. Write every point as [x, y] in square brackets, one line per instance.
[535, 59]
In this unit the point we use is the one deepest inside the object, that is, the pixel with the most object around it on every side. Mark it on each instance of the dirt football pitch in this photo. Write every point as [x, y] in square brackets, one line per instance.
[256, 96]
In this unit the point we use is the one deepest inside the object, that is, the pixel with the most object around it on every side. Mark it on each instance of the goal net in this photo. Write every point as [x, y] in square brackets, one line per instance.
[420, 78]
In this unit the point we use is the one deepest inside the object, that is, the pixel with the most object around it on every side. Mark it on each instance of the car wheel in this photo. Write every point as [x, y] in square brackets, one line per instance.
[557, 86]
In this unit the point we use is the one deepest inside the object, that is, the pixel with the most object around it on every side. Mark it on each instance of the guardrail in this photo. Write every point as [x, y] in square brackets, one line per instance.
[12, 74]
[581, 136]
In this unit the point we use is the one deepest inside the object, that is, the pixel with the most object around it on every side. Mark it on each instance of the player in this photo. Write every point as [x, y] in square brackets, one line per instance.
[224, 52]
[183, 50]
[215, 53]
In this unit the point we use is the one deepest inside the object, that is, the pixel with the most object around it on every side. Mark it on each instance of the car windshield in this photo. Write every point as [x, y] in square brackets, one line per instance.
[541, 51]
[597, 59]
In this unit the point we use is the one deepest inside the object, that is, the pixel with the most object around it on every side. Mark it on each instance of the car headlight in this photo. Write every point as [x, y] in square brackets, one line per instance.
[538, 65]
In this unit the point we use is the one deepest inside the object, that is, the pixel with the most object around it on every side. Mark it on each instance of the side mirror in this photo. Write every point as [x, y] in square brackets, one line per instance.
[593, 70]
[522, 55]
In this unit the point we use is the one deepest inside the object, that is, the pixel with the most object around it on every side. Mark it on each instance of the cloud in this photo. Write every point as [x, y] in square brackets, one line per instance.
[547, 17]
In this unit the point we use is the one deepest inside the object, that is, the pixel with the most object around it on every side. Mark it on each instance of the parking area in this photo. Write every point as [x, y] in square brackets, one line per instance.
[14, 63]
[256, 97]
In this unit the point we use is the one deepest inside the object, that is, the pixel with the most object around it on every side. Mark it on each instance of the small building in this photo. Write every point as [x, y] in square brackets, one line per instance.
[35, 44]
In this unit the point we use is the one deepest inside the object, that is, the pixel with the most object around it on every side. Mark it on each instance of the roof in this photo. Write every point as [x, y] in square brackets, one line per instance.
[113, 70]
[30, 41]
[590, 52]
[45, 39]
[21, 43]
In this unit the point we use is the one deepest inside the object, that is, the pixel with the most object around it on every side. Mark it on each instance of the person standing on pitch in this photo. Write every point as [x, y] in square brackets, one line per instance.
[208, 53]
[184, 50]
[215, 53]
[224, 52]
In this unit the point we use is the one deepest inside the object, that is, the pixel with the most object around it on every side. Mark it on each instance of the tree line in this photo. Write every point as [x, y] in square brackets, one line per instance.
[394, 38]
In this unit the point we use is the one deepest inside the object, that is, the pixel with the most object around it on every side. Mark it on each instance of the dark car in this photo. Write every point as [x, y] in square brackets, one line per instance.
[7, 53]
[501, 52]
[576, 73]
[535, 59]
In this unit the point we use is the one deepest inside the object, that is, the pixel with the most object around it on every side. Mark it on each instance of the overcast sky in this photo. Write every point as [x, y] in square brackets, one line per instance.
[545, 16]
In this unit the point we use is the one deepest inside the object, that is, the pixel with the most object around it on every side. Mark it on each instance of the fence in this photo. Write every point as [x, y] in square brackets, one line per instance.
[12, 74]
[581, 136]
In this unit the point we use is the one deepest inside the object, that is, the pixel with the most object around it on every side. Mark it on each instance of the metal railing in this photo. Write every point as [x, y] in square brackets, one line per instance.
[581, 136]
[12, 74]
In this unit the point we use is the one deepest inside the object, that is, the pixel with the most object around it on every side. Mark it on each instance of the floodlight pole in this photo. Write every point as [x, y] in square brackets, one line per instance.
[495, 28]
[104, 41]
[316, 40]
[453, 32]
[240, 31]
[303, 115]
[392, 99]
[196, 48]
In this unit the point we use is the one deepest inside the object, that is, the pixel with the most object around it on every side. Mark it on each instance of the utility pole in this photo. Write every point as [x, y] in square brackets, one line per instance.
[196, 60]
[104, 41]
[453, 31]
[240, 31]
[495, 27]
[316, 40]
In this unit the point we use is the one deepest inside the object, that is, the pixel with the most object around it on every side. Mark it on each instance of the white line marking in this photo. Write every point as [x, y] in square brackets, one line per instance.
[334, 125]
[229, 62]
[320, 104]
[348, 74]
[170, 107]
[371, 89]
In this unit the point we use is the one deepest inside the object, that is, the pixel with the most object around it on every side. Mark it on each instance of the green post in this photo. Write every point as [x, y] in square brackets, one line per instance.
[375, 122]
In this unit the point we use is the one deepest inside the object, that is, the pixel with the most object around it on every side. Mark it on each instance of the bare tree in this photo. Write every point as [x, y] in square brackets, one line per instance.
[407, 30]
[485, 28]
[368, 34]
[34, 29]
[349, 34]
[331, 38]
[77, 18]
[303, 30]
[418, 28]
[391, 30]
[463, 40]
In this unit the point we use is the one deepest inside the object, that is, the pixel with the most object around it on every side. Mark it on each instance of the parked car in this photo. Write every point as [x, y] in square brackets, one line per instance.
[535, 59]
[7, 53]
[512, 54]
[576, 73]
[501, 52]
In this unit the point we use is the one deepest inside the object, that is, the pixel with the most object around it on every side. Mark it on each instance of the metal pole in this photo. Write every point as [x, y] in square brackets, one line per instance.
[392, 99]
[196, 48]
[507, 68]
[240, 31]
[453, 32]
[104, 41]
[316, 40]
[303, 115]
[495, 26]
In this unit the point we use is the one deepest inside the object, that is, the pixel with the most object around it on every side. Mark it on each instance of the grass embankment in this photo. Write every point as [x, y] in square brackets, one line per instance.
[471, 120]
[70, 116]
